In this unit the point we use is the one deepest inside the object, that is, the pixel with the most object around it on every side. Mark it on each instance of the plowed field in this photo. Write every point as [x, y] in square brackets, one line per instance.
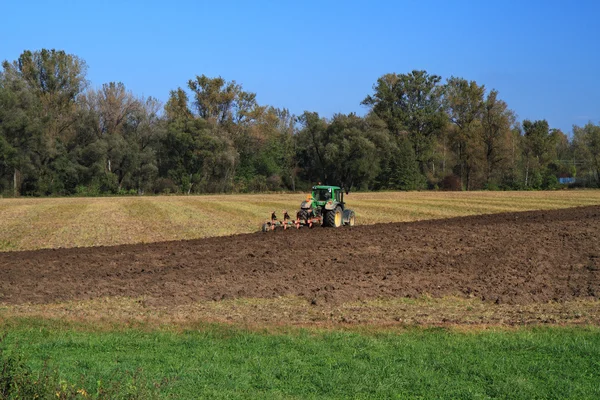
[515, 258]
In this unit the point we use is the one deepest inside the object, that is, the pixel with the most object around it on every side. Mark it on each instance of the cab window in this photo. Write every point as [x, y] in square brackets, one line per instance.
[322, 194]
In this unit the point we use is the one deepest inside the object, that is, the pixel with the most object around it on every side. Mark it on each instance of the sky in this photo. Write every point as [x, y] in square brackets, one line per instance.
[543, 57]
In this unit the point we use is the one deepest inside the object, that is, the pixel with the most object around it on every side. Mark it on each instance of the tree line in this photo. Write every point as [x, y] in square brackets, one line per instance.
[59, 136]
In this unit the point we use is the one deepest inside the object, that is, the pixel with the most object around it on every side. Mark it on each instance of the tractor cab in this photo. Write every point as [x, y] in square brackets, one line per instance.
[328, 197]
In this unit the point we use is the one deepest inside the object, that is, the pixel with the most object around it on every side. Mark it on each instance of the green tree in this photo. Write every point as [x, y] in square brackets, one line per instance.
[539, 149]
[285, 137]
[56, 78]
[497, 124]
[351, 153]
[115, 110]
[586, 141]
[410, 103]
[463, 101]
[266, 150]
[177, 106]
[221, 102]
[196, 156]
[340, 152]
[21, 131]
[405, 175]
[311, 142]
[146, 129]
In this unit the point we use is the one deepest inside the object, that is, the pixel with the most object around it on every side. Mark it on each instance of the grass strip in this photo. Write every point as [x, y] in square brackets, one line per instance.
[216, 361]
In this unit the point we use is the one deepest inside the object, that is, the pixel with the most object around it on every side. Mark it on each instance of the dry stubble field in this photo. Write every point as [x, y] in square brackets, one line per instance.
[31, 224]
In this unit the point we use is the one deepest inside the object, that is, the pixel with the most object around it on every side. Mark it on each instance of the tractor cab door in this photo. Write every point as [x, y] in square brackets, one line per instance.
[339, 198]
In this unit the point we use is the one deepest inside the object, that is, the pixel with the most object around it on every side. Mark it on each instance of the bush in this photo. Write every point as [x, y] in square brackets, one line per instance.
[550, 182]
[82, 190]
[536, 179]
[164, 186]
[258, 184]
[274, 182]
[127, 192]
[451, 183]
[492, 186]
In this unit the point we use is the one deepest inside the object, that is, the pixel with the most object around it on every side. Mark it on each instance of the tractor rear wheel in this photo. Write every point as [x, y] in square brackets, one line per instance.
[302, 215]
[334, 217]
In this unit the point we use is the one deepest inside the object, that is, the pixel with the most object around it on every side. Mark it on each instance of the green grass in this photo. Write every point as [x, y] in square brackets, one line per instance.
[222, 362]
[27, 224]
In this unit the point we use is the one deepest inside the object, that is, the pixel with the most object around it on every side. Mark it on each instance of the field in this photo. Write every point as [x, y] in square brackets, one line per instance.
[30, 224]
[426, 297]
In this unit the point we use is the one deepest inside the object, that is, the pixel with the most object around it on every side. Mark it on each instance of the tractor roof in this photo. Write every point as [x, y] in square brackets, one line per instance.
[326, 187]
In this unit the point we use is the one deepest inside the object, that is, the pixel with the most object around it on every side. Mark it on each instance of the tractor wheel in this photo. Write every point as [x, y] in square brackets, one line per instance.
[351, 219]
[334, 218]
[302, 215]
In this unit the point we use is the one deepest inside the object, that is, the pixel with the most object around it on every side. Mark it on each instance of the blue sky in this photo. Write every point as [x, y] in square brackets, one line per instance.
[542, 56]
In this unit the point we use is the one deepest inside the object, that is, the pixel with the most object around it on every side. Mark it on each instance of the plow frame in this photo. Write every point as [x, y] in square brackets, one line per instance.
[287, 223]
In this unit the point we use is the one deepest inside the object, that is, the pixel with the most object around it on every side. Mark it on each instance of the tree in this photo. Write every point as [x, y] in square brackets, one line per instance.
[351, 154]
[56, 78]
[221, 102]
[46, 85]
[311, 143]
[20, 132]
[497, 124]
[112, 105]
[538, 149]
[177, 106]
[115, 111]
[339, 152]
[196, 157]
[266, 150]
[410, 103]
[586, 141]
[463, 101]
[405, 168]
[286, 130]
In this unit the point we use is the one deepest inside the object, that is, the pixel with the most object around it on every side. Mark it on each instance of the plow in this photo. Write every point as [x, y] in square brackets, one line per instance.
[324, 206]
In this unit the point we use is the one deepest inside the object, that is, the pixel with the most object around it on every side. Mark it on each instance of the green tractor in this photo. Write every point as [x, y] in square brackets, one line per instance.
[324, 206]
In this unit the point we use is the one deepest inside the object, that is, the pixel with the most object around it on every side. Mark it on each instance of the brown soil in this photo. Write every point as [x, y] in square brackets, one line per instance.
[515, 258]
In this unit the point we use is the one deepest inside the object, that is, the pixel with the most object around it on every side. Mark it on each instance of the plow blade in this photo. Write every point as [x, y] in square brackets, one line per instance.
[289, 223]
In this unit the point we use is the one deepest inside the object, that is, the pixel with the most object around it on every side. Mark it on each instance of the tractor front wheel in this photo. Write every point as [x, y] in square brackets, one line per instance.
[349, 217]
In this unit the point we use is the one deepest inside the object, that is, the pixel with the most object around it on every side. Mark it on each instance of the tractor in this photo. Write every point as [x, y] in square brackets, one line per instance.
[324, 206]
